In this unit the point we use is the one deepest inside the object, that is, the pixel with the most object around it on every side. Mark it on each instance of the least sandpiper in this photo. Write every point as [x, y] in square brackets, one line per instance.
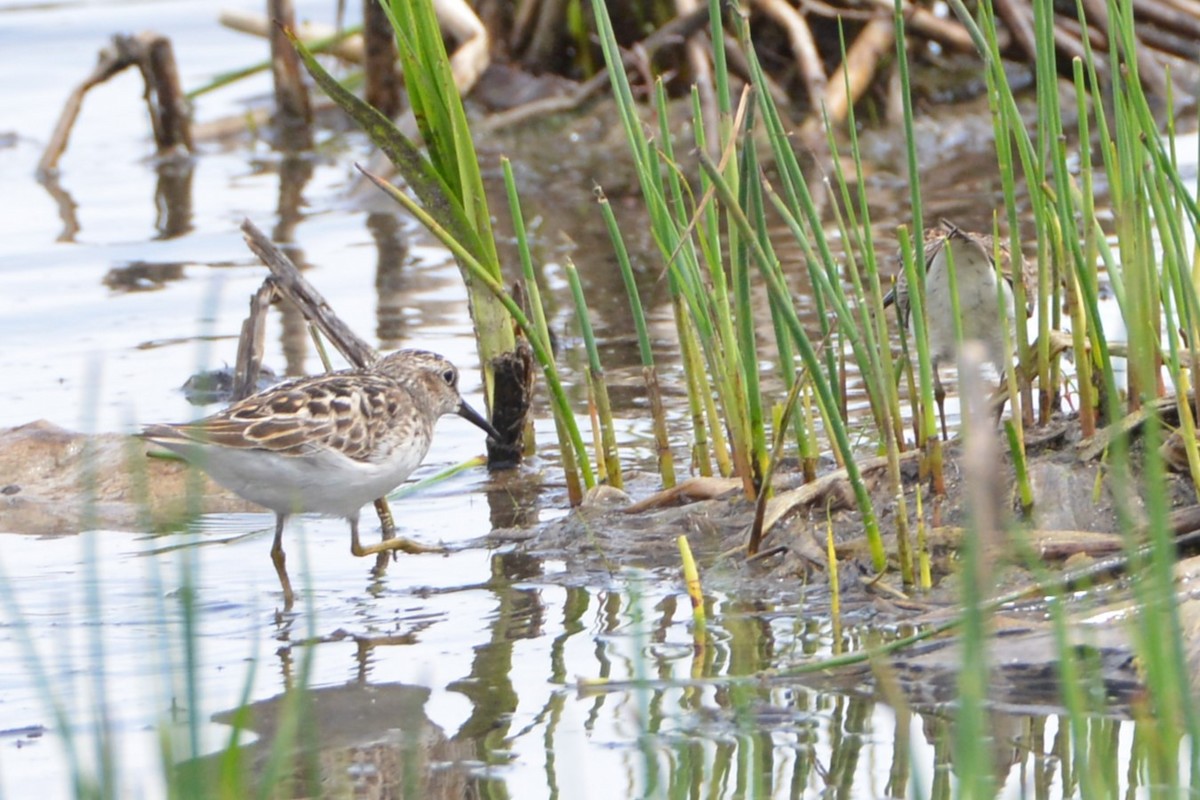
[327, 444]
[975, 274]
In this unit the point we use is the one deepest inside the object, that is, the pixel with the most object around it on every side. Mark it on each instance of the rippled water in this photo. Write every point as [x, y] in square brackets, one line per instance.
[112, 294]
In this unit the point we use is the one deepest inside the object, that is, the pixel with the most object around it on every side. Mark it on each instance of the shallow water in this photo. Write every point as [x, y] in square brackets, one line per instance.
[94, 621]
[499, 640]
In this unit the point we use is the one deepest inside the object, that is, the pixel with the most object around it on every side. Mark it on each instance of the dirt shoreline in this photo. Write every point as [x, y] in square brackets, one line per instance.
[57, 482]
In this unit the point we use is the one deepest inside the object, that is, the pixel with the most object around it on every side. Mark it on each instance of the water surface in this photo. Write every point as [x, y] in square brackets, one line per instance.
[119, 280]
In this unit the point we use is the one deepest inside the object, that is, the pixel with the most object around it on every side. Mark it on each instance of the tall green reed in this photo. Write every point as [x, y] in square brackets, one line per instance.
[666, 460]
[447, 182]
[712, 245]
[1156, 301]
[720, 264]
[609, 461]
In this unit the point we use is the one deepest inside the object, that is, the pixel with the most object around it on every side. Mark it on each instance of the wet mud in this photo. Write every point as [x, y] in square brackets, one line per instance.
[57, 482]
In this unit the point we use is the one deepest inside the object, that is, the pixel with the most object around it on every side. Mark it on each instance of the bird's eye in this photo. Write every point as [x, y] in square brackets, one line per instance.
[450, 376]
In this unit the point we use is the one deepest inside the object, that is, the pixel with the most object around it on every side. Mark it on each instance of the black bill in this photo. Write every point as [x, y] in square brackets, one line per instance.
[476, 419]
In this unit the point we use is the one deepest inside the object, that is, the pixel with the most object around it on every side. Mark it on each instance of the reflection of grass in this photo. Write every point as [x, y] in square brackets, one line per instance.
[94, 751]
[715, 242]
[716, 247]
[711, 244]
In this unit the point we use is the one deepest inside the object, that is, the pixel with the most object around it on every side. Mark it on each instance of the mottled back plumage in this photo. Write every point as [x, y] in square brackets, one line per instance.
[358, 413]
[327, 444]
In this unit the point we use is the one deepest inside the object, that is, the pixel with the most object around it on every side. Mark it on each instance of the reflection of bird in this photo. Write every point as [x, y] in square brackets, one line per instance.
[975, 275]
[327, 444]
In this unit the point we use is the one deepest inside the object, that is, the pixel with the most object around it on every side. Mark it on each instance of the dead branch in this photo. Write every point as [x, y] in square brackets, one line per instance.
[862, 59]
[152, 54]
[697, 56]
[682, 27]
[293, 111]
[1149, 70]
[292, 285]
[946, 31]
[457, 19]
[1019, 19]
[804, 46]
[1163, 15]
[382, 84]
[250, 343]
[348, 49]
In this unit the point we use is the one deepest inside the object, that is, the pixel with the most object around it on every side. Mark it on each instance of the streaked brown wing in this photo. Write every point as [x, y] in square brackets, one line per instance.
[343, 411]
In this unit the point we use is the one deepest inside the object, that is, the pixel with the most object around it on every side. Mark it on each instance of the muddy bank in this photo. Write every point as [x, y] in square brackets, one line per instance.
[1071, 536]
[57, 482]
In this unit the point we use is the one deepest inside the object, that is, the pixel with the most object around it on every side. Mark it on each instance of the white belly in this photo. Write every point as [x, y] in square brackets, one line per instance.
[978, 304]
[323, 483]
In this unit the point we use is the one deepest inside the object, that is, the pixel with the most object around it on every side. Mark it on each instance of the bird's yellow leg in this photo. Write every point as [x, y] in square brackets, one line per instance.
[280, 561]
[388, 545]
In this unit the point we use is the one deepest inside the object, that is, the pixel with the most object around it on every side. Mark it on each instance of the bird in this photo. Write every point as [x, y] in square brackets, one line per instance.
[975, 275]
[326, 444]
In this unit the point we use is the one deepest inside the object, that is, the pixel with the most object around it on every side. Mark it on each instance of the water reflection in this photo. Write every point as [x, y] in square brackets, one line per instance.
[528, 729]
[66, 205]
[172, 201]
[294, 174]
[142, 276]
[173, 197]
[391, 246]
[480, 653]
[375, 740]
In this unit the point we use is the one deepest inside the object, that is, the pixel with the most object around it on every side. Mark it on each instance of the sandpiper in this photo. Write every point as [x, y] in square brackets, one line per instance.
[327, 444]
[975, 274]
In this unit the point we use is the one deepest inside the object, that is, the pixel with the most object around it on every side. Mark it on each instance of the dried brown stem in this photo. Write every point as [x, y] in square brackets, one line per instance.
[873, 43]
[546, 35]
[153, 56]
[1149, 70]
[292, 285]
[164, 95]
[514, 374]
[383, 87]
[348, 49]
[804, 46]
[457, 19]
[1190, 8]
[250, 343]
[1168, 17]
[696, 51]
[680, 27]
[293, 111]
[1018, 17]
[919, 20]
